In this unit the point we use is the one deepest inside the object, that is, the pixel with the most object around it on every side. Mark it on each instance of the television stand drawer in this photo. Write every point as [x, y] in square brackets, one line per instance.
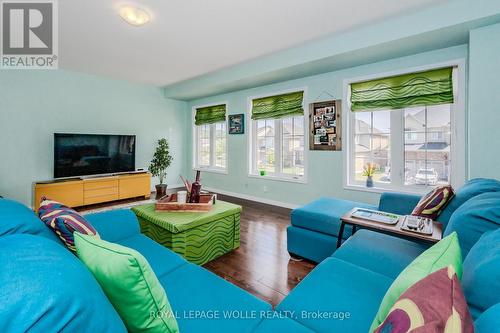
[97, 184]
[101, 198]
[96, 191]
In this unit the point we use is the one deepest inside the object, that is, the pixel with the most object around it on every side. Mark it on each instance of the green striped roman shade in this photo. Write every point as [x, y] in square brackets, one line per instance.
[278, 106]
[397, 92]
[210, 114]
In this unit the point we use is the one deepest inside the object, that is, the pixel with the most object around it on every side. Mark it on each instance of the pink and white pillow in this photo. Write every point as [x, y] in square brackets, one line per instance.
[435, 304]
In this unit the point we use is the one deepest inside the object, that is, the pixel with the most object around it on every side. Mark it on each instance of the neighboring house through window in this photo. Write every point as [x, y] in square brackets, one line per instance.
[278, 137]
[412, 146]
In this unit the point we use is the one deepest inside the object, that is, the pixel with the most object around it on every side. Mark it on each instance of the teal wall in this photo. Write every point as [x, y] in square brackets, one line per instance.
[325, 169]
[484, 102]
[34, 104]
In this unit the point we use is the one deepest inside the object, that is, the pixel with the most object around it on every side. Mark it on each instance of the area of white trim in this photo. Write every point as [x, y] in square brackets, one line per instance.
[169, 187]
[176, 186]
[380, 190]
[252, 198]
[299, 180]
[212, 170]
[458, 118]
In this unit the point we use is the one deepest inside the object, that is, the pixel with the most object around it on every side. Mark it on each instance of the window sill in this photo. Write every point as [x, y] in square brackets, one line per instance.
[415, 191]
[280, 179]
[212, 170]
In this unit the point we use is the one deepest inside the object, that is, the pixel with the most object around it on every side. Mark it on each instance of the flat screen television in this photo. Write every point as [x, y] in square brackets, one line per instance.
[77, 155]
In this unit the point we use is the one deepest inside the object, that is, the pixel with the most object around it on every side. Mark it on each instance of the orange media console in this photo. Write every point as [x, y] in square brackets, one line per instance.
[82, 192]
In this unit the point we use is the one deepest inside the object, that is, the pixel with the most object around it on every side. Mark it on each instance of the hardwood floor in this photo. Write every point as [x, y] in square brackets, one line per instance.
[261, 265]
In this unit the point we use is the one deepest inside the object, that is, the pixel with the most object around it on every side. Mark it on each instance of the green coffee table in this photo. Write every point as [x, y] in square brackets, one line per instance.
[198, 237]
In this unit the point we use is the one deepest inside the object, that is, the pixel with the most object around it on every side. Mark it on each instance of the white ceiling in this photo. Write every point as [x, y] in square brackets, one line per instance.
[188, 38]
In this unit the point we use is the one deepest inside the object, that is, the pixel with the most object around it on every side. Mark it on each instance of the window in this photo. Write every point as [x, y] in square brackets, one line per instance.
[292, 144]
[411, 147]
[211, 147]
[426, 144]
[204, 146]
[427, 157]
[220, 150]
[210, 140]
[279, 147]
[372, 136]
[277, 144]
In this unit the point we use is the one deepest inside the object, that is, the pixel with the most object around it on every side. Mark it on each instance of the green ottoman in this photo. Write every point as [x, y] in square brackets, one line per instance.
[198, 237]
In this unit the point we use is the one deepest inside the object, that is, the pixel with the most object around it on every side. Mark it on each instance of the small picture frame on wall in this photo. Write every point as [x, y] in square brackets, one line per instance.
[237, 123]
[325, 126]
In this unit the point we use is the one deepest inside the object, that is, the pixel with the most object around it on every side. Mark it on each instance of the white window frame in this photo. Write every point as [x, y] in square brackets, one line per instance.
[458, 150]
[211, 167]
[251, 130]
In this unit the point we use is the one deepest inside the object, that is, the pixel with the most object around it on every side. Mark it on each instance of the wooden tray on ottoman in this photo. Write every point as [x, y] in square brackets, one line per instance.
[170, 204]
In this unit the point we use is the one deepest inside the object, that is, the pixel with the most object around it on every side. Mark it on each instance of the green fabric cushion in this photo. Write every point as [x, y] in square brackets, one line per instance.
[446, 252]
[130, 284]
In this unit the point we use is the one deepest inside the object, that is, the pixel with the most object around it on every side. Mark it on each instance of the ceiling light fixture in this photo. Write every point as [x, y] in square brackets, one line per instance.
[134, 15]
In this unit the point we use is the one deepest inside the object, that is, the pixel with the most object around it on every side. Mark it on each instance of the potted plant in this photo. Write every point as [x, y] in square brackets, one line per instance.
[159, 165]
[368, 171]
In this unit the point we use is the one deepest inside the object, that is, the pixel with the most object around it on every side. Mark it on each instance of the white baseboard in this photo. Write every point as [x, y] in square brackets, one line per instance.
[169, 187]
[251, 198]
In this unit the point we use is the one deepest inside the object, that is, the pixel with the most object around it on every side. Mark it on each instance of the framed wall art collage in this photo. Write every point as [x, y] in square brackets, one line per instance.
[325, 125]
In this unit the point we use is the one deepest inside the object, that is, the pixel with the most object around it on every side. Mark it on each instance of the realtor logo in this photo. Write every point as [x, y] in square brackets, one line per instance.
[29, 34]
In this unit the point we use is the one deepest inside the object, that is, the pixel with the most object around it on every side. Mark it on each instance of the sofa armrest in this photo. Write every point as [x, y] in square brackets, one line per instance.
[115, 225]
[398, 203]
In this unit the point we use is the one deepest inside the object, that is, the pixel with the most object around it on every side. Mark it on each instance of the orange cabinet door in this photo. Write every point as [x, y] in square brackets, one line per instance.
[135, 186]
[68, 193]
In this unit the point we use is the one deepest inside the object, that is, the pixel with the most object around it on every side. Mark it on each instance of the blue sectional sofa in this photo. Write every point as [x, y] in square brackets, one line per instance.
[45, 288]
[315, 227]
[357, 275]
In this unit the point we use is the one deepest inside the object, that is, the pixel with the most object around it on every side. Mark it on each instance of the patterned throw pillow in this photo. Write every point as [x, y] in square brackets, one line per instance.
[435, 304]
[64, 221]
[441, 255]
[433, 203]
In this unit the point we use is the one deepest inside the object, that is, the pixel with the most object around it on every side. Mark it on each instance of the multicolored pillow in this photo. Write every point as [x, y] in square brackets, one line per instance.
[434, 304]
[64, 221]
[442, 254]
[433, 203]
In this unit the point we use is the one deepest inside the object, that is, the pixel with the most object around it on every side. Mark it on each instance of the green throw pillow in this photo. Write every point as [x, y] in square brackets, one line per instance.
[130, 284]
[446, 252]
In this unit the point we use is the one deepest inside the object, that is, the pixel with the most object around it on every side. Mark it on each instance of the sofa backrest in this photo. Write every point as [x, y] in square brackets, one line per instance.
[16, 218]
[114, 225]
[469, 190]
[475, 217]
[489, 321]
[398, 203]
[481, 273]
[47, 289]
